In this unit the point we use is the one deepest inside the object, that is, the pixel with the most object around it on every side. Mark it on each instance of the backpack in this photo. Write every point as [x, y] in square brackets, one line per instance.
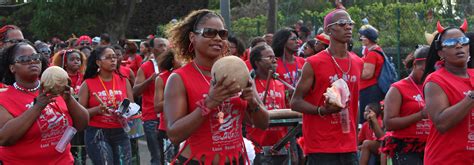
[388, 74]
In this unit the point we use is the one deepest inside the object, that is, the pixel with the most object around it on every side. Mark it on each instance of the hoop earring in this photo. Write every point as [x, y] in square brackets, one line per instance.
[191, 47]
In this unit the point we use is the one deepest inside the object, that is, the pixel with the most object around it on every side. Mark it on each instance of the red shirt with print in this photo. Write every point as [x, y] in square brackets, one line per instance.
[288, 72]
[275, 100]
[38, 144]
[456, 145]
[412, 102]
[324, 134]
[114, 92]
[375, 58]
[163, 123]
[148, 106]
[213, 138]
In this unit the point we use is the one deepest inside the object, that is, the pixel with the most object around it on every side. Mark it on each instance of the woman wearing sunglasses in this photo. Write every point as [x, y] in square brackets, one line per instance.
[33, 121]
[102, 92]
[404, 114]
[192, 102]
[449, 99]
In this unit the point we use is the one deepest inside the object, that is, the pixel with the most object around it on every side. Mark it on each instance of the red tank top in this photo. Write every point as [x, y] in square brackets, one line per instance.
[133, 64]
[456, 146]
[163, 123]
[148, 107]
[119, 90]
[327, 137]
[275, 100]
[288, 72]
[38, 144]
[76, 82]
[213, 138]
[412, 102]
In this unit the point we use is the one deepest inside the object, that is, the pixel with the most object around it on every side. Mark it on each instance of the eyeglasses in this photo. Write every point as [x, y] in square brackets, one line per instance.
[28, 59]
[85, 43]
[211, 33]
[342, 23]
[294, 38]
[452, 42]
[271, 58]
[44, 51]
[14, 41]
[109, 57]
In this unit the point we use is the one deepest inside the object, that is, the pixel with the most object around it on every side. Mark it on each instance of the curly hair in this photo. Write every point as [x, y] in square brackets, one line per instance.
[279, 40]
[7, 58]
[59, 59]
[179, 33]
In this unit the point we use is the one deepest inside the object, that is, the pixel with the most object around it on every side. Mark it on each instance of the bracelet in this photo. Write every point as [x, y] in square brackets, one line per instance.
[256, 109]
[202, 105]
[319, 112]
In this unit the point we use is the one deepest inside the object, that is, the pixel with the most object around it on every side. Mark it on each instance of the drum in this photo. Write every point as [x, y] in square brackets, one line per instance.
[136, 127]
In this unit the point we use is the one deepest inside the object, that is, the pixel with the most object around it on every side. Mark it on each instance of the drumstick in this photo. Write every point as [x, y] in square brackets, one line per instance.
[98, 98]
[267, 85]
[285, 83]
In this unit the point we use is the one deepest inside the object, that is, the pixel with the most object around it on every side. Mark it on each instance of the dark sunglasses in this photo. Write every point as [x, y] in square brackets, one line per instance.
[211, 33]
[452, 42]
[85, 43]
[342, 23]
[27, 59]
[14, 41]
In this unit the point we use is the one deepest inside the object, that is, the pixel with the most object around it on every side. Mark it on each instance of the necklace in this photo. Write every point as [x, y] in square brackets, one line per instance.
[111, 97]
[345, 75]
[220, 114]
[293, 80]
[419, 100]
[272, 104]
[27, 90]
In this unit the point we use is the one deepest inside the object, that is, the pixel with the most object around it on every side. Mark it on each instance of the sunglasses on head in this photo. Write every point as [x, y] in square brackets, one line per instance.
[27, 59]
[342, 23]
[211, 33]
[452, 42]
[14, 41]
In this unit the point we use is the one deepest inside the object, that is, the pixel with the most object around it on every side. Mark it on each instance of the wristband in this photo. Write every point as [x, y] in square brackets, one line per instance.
[319, 112]
[204, 109]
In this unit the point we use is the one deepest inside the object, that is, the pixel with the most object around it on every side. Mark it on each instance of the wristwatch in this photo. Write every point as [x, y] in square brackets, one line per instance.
[470, 94]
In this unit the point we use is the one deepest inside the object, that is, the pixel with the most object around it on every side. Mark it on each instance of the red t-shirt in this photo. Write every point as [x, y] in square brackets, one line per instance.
[76, 82]
[148, 107]
[366, 133]
[133, 64]
[124, 71]
[288, 72]
[38, 144]
[455, 146]
[324, 134]
[213, 138]
[412, 102]
[163, 123]
[275, 100]
[376, 59]
[3, 85]
[117, 87]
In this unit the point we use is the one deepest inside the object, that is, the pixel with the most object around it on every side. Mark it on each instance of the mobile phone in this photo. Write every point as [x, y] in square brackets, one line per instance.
[123, 108]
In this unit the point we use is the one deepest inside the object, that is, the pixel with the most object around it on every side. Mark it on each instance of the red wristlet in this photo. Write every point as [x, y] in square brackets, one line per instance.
[202, 105]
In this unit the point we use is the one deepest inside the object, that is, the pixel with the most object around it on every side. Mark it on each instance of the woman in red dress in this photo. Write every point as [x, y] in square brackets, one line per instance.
[449, 99]
[33, 121]
[192, 102]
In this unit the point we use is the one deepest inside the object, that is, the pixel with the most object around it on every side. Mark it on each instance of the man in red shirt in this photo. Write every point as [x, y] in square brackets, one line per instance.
[373, 62]
[327, 140]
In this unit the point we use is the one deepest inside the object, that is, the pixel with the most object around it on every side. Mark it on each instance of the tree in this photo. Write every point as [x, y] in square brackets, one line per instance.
[272, 16]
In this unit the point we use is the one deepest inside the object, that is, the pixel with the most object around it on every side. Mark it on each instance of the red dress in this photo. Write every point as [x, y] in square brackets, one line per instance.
[38, 144]
[213, 138]
[455, 146]
[275, 100]
[148, 107]
[114, 92]
[324, 134]
[163, 123]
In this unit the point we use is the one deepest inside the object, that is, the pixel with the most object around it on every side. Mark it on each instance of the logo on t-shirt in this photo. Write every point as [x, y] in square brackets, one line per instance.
[52, 124]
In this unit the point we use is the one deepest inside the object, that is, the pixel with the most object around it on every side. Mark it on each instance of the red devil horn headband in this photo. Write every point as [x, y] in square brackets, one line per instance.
[463, 27]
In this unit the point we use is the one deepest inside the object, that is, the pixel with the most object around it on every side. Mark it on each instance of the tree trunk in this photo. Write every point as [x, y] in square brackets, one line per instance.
[118, 19]
[272, 16]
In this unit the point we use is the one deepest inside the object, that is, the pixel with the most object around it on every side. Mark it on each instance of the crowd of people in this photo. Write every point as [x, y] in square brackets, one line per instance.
[190, 118]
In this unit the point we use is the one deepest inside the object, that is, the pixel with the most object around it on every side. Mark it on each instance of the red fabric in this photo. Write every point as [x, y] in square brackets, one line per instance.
[124, 71]
[289, 75]
[275, 100]
[327, 137]
[163, 123]
[212, 138]
[39, 142]
[95, 86]
[376, 59]
[366, 133]
[148, 107]
[3, 85]
[412, 102]
[455, 146]
[133, 64]
[249, 65]
[76, 82]
[246, 55]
